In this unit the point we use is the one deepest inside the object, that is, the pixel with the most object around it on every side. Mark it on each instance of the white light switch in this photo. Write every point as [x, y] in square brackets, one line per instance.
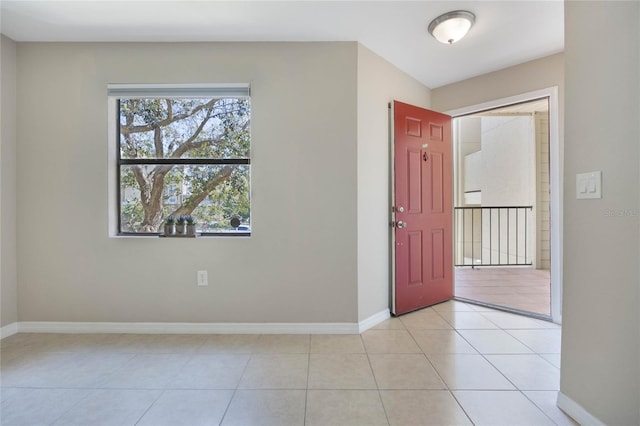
[589, 185]
[582, 186]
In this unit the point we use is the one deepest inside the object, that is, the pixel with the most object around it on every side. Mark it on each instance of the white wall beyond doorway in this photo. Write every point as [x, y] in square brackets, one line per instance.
[500, 171]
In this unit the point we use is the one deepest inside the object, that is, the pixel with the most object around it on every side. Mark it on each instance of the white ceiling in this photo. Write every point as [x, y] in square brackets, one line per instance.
[506, 32]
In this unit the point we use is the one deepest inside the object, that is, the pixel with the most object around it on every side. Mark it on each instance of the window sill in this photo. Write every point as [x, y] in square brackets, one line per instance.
[180, 237]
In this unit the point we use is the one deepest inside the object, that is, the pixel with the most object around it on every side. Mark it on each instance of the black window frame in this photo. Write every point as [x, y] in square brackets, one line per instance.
[177, 161]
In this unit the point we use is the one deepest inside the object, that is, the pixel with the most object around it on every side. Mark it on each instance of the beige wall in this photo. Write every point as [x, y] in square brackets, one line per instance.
[600, 354]
[528, 77]
[299, 264]
[8, 283]
[379, 83]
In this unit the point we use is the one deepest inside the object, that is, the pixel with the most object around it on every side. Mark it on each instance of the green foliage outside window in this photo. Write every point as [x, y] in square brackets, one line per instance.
[183, 156]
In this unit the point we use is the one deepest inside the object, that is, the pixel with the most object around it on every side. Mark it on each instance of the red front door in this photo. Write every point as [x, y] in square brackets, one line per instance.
[422, 208]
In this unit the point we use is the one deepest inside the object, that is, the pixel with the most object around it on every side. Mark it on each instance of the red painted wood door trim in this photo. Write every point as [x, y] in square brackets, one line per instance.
[423, 208]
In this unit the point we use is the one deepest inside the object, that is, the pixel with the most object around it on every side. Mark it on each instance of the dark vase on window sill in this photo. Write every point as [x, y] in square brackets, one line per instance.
[191, 230]
[169, 229]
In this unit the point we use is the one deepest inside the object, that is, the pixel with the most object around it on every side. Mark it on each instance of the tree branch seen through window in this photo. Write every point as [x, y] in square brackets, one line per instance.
[181, 156]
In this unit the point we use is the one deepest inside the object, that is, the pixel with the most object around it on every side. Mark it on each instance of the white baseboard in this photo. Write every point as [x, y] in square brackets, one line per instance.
[373, 320]
[194, 328]
[577, 411]
[187, 328]
[8, 330]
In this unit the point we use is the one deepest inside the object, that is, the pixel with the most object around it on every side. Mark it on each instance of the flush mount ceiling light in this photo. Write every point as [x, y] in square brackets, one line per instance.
[452, 26]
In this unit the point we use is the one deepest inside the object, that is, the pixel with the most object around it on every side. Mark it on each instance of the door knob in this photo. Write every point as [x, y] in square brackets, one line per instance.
[401, 224]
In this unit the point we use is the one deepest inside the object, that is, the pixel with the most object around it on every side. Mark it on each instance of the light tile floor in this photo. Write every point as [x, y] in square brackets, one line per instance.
[525, 289]
[451, 364]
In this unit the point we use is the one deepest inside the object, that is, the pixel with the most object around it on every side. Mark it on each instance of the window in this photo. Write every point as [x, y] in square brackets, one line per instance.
[183, 150]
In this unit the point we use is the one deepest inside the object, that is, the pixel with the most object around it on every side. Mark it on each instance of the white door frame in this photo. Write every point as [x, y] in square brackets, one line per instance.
[556, 163]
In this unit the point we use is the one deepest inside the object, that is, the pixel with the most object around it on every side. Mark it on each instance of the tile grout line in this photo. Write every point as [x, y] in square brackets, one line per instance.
[523, 343]
[306, 391]
[86, 396]
[448, 389]
[375, 380]
[537, 406]
[233, 395]
[460, 405]
[150, 406]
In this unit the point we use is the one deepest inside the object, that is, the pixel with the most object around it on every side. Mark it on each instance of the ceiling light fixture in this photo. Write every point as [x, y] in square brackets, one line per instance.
[452, 26]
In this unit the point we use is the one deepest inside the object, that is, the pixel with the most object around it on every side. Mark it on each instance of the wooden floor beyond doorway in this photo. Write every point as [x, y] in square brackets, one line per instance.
[524, 289]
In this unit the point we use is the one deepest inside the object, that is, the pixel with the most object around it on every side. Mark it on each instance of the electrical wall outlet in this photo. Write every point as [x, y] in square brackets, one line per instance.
[203, 280]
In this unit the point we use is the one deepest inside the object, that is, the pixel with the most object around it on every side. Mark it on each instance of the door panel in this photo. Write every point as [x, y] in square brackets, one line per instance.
[415, 257]
[414, 182]
[423, 233]
[437, 254]
[437, 179]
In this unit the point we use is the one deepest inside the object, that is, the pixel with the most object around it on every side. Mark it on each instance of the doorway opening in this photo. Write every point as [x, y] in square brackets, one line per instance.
[502, 207]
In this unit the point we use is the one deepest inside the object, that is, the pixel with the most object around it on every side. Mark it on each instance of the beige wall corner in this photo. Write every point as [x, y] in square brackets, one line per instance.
[601, 330]
[298, 266]
[8, 225]
[379, 83]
